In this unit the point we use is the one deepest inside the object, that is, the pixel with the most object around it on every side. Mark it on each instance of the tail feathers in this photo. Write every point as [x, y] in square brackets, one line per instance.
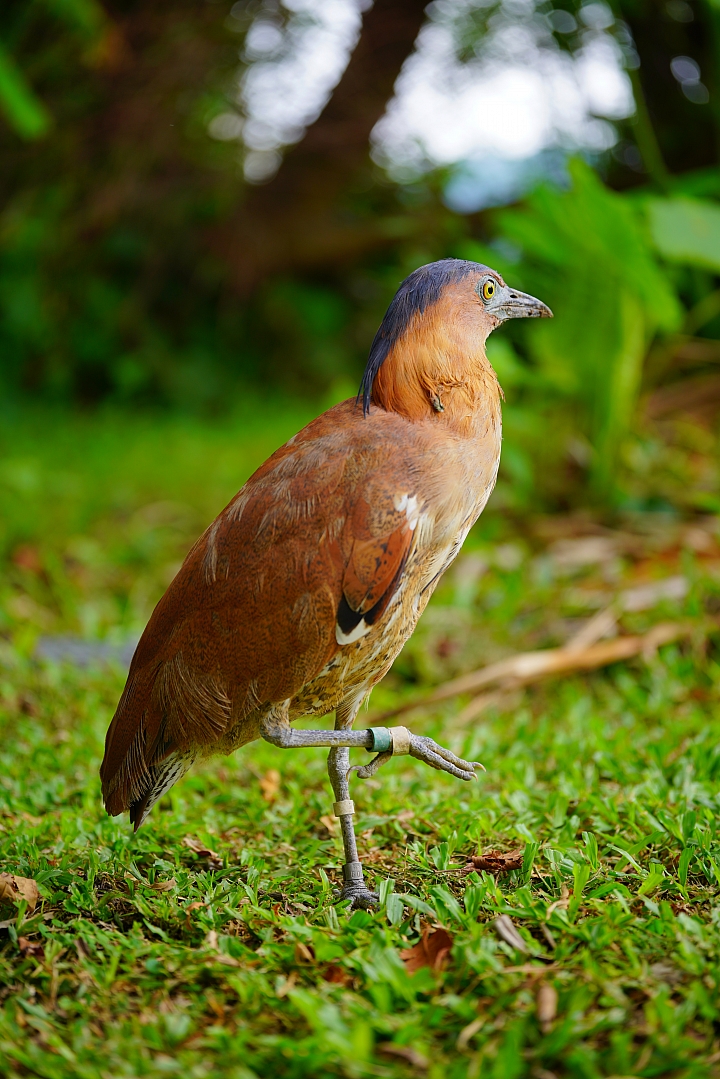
[162, 776]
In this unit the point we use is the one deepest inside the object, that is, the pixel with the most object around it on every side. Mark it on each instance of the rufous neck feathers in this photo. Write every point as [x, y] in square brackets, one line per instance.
[438, 368]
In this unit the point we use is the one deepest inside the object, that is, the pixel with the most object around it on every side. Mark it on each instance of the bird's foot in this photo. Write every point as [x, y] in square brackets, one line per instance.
[360, 895]
[355, 889]
[425, 749]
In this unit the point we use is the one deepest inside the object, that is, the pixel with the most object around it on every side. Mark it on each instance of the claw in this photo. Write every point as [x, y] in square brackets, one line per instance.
[362, 898]
[365, 771]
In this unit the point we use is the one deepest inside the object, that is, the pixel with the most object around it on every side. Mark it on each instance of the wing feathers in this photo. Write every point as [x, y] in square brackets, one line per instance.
[306, 558]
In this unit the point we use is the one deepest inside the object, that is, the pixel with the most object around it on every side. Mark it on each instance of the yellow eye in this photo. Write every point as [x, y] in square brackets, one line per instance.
[488, 290]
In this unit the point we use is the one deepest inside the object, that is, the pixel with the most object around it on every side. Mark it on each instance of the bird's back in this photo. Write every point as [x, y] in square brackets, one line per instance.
[299, 575]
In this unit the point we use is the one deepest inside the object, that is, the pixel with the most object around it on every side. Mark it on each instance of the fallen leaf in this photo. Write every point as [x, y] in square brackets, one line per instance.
[285, 987]
[432, 950]
[303, 953]
[644, 596]
[331, 823]
[495, 861]
[547, 1001]
[164, 885]
[336, 974]
[583, 551]
[226, 960]
[505, 929]
[562, 903]
[28, 557]
[31, 948]
[214, 860]
[212, 944]
[81, 948]
[468, 1032]
[14, 888]
[270, 785]
[407, 1053]
[192, 906]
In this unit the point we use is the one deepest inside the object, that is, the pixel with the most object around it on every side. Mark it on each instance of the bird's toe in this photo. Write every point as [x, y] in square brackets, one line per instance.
[361, 897]
[427, 750]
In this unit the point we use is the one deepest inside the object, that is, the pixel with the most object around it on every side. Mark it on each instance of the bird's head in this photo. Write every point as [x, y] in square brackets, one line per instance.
[434, 333]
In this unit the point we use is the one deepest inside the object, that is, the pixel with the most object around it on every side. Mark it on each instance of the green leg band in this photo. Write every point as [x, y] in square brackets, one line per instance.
[382, 739]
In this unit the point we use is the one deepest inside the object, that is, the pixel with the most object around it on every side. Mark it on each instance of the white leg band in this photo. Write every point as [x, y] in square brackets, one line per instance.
[400, 741]
[341, 809]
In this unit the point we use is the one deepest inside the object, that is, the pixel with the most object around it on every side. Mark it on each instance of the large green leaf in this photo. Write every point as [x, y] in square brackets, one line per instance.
[23, 110]
[686, 230]
[586, 253]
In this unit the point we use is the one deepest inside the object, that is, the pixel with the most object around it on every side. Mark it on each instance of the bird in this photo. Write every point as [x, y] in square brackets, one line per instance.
[298, 597]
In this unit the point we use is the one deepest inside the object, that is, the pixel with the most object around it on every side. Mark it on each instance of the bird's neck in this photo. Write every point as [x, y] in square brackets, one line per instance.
[439, 371]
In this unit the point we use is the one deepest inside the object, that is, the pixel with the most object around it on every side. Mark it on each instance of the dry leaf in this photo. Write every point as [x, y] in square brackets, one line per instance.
[495, 861]
[644, 596]
[562, 903]
[226, 960]
[14, 888]
[331, 823]
[31, 948]
[214, 860]
[192, 906]
[547, 1001]
[583, 551]
[285, 987]
[211, 942]
[432, 950]
[467, 1033]
[505, 929]
[336, 974]
[28, 557]
[164, 885]
[407, 1053]
[270, 785]
[304, 953]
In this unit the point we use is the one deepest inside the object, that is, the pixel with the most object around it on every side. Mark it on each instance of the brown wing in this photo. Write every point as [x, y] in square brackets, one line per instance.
[377, 557]
[302, 561]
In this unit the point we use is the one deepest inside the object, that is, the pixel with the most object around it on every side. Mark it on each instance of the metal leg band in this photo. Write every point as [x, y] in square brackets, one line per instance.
[401, 737]
[395, 739]
[342, 809]
[353, 873]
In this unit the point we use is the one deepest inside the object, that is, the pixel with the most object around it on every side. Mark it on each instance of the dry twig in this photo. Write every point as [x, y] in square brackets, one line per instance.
[527, 667]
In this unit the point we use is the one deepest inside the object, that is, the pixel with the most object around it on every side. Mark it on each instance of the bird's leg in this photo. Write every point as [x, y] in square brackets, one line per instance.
[275, 727]
[354, 887]
[385, 742]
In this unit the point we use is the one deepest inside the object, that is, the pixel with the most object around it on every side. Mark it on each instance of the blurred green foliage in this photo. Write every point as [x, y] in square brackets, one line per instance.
[115, 285]
[601, 260]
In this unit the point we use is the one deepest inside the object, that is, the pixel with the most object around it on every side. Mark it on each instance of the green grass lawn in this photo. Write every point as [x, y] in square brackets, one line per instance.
[211, 944]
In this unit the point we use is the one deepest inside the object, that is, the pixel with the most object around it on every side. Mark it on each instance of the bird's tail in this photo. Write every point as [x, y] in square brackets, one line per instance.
[140, 762]
[162, 776]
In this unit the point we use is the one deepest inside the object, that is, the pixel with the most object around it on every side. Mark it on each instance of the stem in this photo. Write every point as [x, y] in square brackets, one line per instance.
[646, 138]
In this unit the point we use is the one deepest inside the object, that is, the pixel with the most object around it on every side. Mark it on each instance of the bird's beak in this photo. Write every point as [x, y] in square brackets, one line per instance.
[514, 304]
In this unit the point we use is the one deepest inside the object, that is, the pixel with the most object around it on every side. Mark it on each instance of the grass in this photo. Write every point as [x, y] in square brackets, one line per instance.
[229, 956]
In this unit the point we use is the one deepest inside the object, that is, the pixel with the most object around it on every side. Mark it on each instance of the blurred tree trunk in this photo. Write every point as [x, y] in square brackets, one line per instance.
[311, 213]
[688, 132]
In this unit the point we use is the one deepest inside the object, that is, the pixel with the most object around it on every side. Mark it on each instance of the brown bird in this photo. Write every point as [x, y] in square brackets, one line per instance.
[299, 596]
